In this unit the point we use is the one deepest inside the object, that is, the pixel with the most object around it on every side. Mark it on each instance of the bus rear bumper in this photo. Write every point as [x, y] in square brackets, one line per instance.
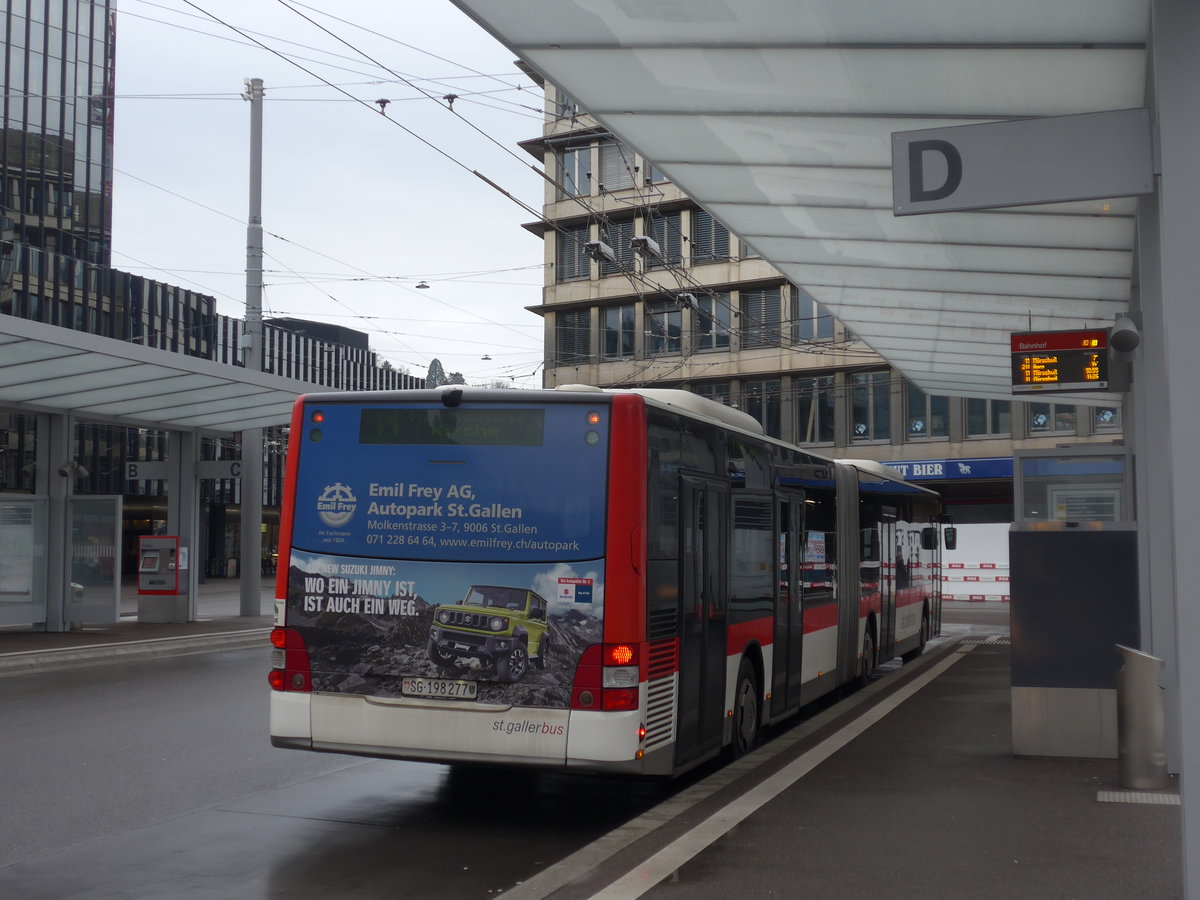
[404, 729]
[291, 722]
[603, 737]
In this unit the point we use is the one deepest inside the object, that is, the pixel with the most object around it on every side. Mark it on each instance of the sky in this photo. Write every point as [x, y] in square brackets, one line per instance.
[358, 205]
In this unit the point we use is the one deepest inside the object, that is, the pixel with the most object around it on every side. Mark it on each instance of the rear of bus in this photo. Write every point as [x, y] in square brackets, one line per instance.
[462, 578]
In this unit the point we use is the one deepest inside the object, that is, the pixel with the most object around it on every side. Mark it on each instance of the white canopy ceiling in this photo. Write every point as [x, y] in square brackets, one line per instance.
[777, 115]
[51, 369]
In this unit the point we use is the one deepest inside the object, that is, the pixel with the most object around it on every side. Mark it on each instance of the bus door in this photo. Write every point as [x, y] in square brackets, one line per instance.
[704, 600]
[885, 575]
[849, 588]
[789, 608]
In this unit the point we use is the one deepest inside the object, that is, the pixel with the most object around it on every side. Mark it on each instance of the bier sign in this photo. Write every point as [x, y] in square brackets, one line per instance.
[1060, 361]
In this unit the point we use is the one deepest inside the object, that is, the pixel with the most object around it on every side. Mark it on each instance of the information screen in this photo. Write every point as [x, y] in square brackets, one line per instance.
[454, 427]
[1060, 361]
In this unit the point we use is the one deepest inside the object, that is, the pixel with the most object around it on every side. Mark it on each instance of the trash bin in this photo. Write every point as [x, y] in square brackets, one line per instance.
[1141, 722]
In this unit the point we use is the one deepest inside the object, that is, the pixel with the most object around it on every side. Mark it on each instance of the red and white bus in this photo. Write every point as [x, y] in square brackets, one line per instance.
[625, 581]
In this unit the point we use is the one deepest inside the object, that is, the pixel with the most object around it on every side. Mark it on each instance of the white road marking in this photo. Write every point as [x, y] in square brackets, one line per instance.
[676, 854]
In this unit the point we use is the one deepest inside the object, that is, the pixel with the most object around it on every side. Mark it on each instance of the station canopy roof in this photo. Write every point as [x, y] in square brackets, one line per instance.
[44, 368]
[777, 115]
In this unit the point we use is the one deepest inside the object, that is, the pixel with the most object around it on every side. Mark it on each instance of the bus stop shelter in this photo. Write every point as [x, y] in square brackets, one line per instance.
[778, 116]
[63, 376]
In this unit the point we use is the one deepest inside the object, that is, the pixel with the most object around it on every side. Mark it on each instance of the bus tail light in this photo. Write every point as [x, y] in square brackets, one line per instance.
[290, 670]
[607, 678]
[622, 699]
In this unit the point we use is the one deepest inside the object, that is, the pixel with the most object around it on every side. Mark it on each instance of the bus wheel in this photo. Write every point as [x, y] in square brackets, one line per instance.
[921, 641]
[514, 664]
[745, 712]
[867, 669]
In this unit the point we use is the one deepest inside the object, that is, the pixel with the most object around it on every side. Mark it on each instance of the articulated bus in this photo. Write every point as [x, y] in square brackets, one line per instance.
[629, 581]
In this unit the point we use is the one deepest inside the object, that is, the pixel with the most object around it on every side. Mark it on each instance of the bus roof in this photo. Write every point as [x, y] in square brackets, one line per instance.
[674, 399]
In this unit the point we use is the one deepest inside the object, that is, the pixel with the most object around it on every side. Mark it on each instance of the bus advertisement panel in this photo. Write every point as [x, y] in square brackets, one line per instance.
[460, 485]
[448, 553]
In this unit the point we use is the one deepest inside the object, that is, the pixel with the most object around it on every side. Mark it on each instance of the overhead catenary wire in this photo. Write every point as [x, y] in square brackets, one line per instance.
[429, 144]
[524, 108]
[368, 277]
[516, 86]
[631, 273]
[636, 278]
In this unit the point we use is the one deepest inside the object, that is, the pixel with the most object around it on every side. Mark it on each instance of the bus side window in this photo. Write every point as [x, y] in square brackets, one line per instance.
[870, 545]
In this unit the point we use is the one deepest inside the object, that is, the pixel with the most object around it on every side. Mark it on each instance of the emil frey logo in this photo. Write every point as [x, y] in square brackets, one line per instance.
[336, 505]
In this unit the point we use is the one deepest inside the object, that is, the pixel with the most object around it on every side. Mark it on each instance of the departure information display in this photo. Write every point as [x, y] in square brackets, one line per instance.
[1060, 361]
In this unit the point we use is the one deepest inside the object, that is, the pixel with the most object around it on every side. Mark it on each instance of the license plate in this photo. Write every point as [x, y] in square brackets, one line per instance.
[448, 688]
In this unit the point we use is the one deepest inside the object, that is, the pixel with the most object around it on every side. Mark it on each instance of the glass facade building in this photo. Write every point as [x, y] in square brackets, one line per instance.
[59, 66]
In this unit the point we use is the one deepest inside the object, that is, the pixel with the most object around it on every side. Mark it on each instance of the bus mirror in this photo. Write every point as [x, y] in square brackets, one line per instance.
[928, 538]
[950, 536]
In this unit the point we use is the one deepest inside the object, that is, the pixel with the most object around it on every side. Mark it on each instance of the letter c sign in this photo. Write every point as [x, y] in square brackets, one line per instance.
[918, 193]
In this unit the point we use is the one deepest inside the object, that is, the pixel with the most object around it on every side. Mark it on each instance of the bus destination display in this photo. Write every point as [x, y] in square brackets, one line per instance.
[1059, 361]
[484, 426]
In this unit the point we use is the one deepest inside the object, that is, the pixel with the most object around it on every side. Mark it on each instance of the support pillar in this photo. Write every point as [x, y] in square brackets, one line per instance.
[54, 452]
[183, 509]
[1175, 79]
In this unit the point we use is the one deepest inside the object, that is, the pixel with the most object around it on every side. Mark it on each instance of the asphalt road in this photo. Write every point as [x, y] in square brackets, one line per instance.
[156, 779]
[974, 618]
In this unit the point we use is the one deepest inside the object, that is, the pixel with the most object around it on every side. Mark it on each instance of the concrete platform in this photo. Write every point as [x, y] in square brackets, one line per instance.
[923, 799]
[218, 626]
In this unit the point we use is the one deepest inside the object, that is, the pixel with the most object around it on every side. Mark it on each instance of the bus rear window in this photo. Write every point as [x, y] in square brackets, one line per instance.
[452, 427]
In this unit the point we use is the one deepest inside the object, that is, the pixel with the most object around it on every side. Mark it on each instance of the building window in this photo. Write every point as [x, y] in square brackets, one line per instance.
[618, 331]
[1051, 418]
[571, 259]
[664, 327]
[574, 171]
[760, 318]
[653, 174]
[616, 166]
[568, 108]
[618, 236]
[712, 328]
[761, 400]
[717, 391]
[989, 418]
[814, 409]
[710, 239]
[667, 231]
[572, 335]
[812, 322]
[928, 417]
[870, 406]
[1106, 418]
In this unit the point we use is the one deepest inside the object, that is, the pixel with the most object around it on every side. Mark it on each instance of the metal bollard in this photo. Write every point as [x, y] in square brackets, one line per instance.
[1141, 722]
